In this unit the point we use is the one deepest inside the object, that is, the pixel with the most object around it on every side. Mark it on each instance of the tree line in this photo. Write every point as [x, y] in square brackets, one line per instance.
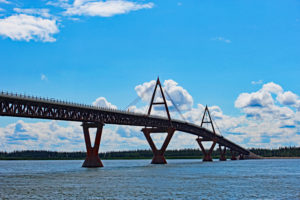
[280, 152]
[141, 154]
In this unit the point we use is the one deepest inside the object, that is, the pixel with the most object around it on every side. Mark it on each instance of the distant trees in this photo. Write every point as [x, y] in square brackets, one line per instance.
[139, 154]
[41, 155]
[281, 152]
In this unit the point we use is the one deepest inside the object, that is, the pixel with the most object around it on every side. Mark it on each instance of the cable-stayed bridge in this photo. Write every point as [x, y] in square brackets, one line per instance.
[15, 105]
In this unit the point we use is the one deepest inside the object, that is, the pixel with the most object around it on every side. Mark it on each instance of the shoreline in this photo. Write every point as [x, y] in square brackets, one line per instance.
[281, 153]
[172, 158]
[280, 157]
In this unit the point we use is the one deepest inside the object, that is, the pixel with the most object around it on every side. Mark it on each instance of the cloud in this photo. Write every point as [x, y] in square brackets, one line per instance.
[59, 3]
[145, 90]
[102, 102]
[264, 122]
[266, 119]
[44, 77]
[255, 99]
[261, 98]
[272, 88]
[41, 135]
[40, 12]
[103, 8]
[221, 39]
[261, 104]
[180, 97]
[4, 1]
[26, 27]
[39, 25]
[56, 136]
[288, 98]
[257, 82]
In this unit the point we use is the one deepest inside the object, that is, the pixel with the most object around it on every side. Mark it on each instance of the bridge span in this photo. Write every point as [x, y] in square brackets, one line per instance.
[15, 105]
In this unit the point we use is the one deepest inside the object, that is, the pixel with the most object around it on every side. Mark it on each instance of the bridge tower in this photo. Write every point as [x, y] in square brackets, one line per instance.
[233, 155]
[158, 154]
[206, 119]
[222, 153]
[92, 158]
[207, 153]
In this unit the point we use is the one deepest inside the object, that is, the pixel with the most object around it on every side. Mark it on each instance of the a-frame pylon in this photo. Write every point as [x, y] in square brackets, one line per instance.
[206, 119]
[209, 120]
[158, 154]
[164, 102]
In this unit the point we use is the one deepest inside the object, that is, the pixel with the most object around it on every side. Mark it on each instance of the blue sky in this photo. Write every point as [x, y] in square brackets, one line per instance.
[215, 50]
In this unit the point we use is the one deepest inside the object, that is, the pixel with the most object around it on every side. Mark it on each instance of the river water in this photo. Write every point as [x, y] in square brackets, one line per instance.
[137, 179]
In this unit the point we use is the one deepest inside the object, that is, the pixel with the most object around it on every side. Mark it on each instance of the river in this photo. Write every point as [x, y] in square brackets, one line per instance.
[137, 179]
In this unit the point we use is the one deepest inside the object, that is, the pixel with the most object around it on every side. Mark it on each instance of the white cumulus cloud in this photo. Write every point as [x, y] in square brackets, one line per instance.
[26, 27]
[261, 98]
[288, 98]
[255, 99]
[272, 88]
[102, 102]
[179, 96]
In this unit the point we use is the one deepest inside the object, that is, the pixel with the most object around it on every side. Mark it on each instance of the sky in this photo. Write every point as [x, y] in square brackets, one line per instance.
[241, 58]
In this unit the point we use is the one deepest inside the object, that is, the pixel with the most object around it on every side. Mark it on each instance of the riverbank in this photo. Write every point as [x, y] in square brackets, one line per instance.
[168, 158]
[281, 153]
[281, 157]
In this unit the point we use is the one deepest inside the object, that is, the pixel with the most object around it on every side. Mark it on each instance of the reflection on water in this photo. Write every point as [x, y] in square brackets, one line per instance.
[137, 179]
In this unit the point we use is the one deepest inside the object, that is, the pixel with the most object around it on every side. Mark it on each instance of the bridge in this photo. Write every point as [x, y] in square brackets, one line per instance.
[15, 105]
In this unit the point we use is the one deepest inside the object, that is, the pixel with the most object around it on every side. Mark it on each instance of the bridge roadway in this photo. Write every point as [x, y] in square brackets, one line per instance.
[35, 107]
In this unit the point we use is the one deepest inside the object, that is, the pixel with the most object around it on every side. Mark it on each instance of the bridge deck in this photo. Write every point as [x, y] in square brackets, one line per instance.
[35, 107]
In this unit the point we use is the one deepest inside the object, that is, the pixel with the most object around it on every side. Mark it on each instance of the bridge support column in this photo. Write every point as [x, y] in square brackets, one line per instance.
[241, 157]
[158, 154]
[233, 156]
[222, 153]
[92, 158]
[206, 153]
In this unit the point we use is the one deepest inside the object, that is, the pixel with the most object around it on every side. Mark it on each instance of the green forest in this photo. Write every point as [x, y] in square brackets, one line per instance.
[140, 154]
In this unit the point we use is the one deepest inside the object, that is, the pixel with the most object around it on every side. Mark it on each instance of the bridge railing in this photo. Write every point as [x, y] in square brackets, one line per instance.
[62, 102]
